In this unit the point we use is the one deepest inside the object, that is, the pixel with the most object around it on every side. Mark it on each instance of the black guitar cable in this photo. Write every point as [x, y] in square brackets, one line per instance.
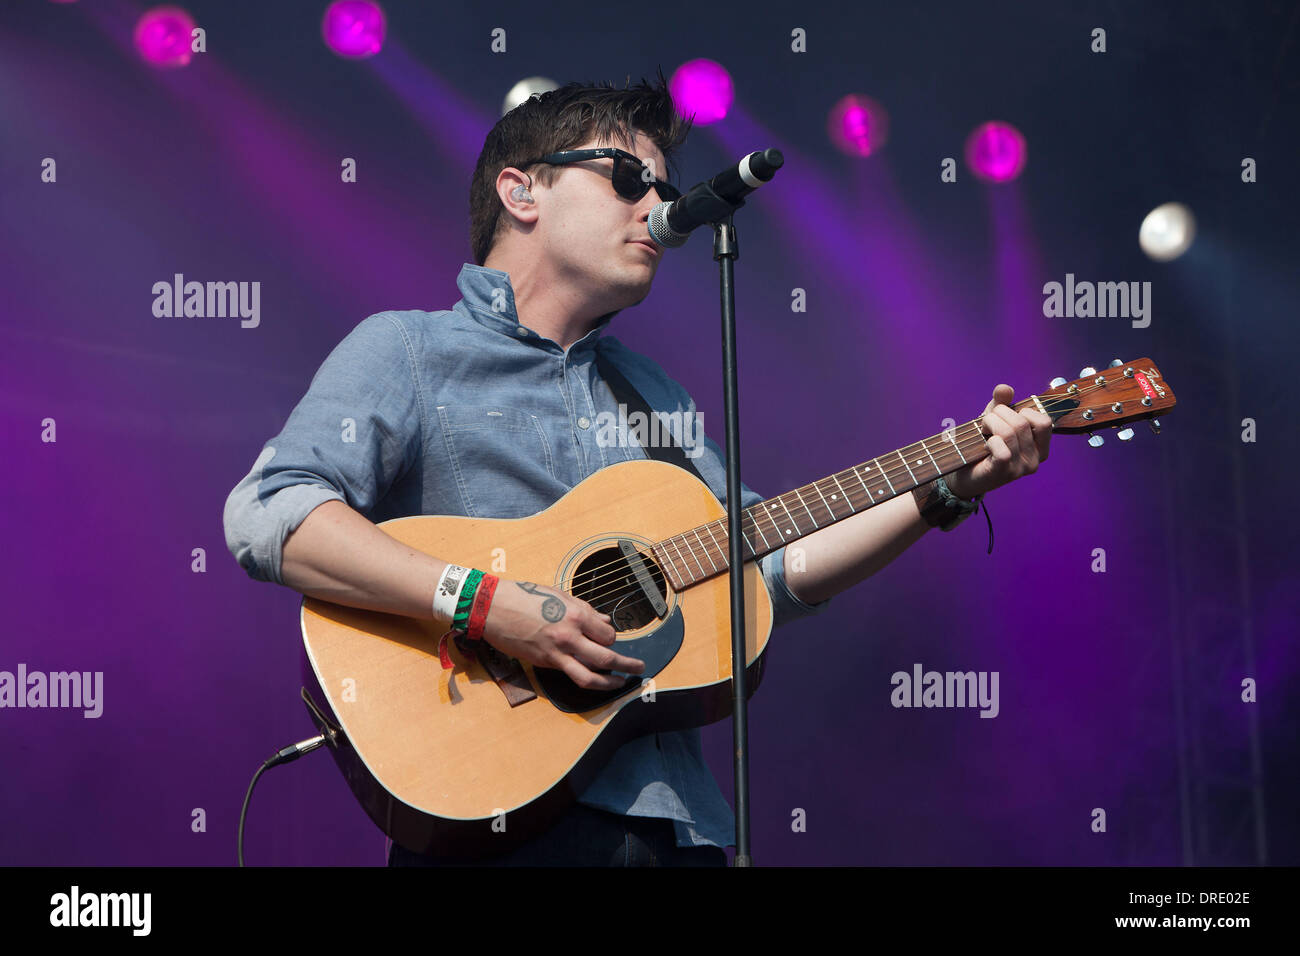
[284, 756]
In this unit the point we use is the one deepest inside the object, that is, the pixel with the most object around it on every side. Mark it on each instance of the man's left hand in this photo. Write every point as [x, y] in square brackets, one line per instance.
[1017, 442]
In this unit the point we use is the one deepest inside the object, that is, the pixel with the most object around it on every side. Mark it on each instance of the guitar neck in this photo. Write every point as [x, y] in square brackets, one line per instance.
[702, 552]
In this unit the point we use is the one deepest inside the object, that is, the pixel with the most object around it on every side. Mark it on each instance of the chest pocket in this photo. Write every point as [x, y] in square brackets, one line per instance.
[499, 457]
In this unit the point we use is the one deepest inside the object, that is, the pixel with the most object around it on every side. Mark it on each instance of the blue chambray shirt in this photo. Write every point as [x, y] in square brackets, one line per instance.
[467, 412]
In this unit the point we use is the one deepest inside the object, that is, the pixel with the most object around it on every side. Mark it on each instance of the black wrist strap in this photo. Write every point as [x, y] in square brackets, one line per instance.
[990, 521]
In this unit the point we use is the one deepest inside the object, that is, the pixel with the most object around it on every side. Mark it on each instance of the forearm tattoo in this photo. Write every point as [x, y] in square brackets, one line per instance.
[552, 608]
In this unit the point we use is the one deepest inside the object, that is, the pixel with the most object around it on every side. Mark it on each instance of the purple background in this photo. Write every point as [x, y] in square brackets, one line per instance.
[921, 297]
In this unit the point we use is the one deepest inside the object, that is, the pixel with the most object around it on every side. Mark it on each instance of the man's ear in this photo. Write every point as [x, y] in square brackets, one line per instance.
[519, 203]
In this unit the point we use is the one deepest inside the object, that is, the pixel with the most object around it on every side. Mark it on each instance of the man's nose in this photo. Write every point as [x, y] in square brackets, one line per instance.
[647, 203]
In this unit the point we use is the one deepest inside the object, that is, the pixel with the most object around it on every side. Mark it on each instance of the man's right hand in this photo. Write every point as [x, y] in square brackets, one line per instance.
[548, 628]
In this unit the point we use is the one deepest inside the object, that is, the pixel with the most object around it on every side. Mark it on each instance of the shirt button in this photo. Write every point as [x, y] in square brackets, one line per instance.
[521, 331]
[584, 422]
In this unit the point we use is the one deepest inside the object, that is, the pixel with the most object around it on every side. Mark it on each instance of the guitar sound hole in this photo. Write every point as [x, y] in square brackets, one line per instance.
[605, 581]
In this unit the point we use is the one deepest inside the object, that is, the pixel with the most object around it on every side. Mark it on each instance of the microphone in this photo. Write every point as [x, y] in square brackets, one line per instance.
[671, 223]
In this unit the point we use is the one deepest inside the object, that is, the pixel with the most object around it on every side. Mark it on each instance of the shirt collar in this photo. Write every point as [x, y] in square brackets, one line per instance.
[490, 299]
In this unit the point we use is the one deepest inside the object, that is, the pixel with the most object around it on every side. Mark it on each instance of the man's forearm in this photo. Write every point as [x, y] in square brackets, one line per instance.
[337, 555]
[851, 550]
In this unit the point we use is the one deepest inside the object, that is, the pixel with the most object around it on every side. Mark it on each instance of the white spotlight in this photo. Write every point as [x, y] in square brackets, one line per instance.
[524, 89]
[1167, 231]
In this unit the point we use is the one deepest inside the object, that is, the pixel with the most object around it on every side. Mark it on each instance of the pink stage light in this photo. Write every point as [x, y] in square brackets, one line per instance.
[858, 125]
[163, 37]
[704, 88]
[996, 152]
[354, 28]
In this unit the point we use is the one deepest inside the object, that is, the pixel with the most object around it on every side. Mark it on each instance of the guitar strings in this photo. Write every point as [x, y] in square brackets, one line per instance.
[619, 570]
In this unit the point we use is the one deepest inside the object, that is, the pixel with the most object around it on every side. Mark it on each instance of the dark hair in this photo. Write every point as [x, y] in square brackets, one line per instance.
[561, 119]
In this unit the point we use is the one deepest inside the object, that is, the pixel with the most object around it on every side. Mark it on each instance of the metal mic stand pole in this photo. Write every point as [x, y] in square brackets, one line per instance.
[725, 252]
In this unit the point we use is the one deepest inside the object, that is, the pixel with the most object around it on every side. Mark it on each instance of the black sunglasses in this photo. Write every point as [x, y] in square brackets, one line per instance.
[629, 178]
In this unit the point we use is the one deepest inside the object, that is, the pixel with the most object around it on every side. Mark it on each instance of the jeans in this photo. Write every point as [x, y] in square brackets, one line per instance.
[586, 836]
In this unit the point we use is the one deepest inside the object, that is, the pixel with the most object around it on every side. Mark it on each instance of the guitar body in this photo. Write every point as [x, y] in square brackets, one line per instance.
[437, 757]
[440, 759]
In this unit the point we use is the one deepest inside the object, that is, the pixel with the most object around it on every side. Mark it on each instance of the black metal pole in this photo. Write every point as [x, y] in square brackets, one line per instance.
[725, 251]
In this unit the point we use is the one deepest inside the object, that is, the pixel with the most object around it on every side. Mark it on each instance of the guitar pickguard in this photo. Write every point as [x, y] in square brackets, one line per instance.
[656, 648]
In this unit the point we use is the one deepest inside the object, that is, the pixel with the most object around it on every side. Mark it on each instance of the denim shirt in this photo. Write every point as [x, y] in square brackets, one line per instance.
[467, 412]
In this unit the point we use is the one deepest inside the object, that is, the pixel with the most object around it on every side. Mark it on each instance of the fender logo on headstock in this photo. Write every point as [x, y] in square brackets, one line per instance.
[1149, 388]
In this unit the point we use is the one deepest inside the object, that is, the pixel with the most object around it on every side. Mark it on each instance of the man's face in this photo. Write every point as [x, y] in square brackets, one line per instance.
[592, 236]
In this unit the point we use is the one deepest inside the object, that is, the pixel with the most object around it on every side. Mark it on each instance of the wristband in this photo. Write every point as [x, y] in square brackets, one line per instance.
[446, 597]
[447, 591]
[942, 509]
[482, 602]
[484, 587]
[465, 600]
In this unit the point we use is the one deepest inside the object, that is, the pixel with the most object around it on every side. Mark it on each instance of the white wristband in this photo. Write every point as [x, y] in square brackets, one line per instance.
[447, 593]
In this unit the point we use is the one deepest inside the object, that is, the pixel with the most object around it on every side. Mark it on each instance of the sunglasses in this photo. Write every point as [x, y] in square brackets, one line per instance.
[631, 178]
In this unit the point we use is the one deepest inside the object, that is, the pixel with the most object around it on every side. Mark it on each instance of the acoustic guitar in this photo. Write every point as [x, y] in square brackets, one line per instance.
[469, 761]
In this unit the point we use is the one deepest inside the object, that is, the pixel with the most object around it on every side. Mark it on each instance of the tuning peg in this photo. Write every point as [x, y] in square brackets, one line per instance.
[1085, 372]
[1115, 362]
[1155, 426]
[1125, 434]
[1056, 382]
[1096, 441]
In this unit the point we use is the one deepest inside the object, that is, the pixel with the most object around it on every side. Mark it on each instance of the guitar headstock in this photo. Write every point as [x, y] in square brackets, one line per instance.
[1123, 393]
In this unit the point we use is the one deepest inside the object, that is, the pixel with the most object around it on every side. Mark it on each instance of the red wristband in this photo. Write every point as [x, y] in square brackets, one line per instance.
[482, 602]
[443, 654]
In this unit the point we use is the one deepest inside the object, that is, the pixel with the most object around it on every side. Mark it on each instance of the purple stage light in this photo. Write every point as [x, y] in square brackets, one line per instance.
[704, 88]
[996, 152]
[163, 37]
[354, 28]
[858, 125]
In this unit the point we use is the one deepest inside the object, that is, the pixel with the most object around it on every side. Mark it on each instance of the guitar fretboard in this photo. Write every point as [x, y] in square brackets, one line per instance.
[702, 552]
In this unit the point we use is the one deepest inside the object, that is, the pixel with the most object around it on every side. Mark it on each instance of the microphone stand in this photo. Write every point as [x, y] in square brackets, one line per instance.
[726, 251]
[706, 206]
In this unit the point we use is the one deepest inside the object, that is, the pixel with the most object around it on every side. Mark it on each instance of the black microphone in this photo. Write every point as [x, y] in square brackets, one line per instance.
[671, 223]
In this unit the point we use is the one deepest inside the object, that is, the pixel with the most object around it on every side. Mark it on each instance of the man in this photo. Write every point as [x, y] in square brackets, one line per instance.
[488, 410]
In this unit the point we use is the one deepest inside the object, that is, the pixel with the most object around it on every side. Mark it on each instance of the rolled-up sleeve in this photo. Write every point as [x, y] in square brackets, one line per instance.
[786, 605]
[358, 429]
